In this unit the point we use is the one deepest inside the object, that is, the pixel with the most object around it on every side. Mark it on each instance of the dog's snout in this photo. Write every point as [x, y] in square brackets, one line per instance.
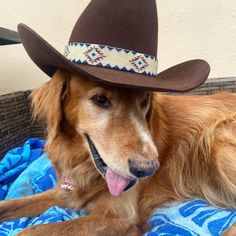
[143, 168]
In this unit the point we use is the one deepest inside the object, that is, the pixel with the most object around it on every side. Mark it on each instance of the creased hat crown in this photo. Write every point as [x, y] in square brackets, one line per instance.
[126, 24]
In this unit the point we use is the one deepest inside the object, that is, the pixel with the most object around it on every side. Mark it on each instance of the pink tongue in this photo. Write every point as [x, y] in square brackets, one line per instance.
[116, 183]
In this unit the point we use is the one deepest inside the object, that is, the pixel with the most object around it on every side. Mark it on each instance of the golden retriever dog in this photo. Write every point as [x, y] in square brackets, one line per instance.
[122, 152]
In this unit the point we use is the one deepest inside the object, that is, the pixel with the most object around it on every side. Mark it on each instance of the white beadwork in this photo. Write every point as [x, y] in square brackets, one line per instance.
[111, 57]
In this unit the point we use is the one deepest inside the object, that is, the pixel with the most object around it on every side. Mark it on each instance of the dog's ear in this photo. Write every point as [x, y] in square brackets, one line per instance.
[47, 101]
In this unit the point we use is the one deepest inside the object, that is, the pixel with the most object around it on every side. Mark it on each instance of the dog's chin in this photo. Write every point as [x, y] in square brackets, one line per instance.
[116, 183]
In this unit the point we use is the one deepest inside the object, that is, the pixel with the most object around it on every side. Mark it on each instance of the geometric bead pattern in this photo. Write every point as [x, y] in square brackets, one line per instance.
[139, 62]
[111, 57]
[94, 54]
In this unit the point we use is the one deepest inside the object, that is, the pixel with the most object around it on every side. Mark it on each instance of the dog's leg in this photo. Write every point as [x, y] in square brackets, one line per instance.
[107, 216]
[28, 206]
[86, 226]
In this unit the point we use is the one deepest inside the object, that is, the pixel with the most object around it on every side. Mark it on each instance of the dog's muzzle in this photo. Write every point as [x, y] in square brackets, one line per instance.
[100, 164]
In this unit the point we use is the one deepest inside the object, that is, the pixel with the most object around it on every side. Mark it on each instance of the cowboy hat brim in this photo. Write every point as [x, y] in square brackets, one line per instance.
[179, 78]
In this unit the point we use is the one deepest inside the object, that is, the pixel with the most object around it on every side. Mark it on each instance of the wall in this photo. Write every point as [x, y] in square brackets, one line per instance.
[187, 29]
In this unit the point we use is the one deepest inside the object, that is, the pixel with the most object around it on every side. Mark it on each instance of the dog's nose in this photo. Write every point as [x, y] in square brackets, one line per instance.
[143, 168]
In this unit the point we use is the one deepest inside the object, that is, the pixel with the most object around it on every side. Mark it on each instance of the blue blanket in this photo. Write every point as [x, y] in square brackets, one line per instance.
[27, 170]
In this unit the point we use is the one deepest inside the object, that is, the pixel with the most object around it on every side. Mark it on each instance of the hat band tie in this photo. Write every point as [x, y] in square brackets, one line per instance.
[111, 57]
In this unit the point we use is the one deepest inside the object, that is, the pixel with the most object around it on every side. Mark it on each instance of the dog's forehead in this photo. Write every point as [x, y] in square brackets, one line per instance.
[83, 85]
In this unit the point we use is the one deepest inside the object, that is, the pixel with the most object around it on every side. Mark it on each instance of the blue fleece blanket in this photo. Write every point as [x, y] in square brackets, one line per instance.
[27, 170]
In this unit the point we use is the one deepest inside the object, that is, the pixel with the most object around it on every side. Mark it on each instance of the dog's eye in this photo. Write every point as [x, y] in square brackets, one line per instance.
[144, 103]
[101, 101]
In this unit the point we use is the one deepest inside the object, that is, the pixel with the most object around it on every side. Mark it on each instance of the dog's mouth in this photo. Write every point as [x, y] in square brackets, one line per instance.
[115, 182]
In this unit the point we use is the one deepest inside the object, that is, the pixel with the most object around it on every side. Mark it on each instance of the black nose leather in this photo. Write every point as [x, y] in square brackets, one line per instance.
[141, 169]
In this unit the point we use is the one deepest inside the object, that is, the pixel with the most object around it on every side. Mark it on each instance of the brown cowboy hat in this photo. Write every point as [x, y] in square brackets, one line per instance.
[115, 42]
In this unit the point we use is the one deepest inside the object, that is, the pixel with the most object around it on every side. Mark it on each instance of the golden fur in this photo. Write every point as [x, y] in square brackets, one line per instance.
[193, 137]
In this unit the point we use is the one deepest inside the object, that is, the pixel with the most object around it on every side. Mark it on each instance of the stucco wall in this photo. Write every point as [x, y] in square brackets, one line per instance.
[187, 29]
